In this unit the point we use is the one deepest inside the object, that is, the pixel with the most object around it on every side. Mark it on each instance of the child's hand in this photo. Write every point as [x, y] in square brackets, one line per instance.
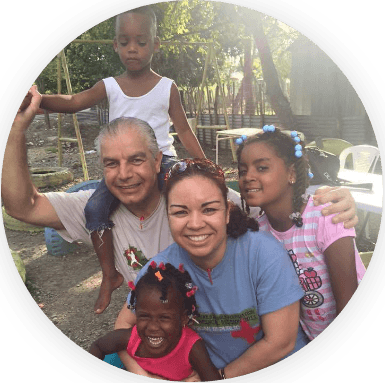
[31, 104]
[193, 377]
[26, 102]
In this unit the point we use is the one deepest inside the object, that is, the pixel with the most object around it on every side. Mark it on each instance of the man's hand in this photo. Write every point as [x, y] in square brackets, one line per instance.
[27, 110]
[342, 203]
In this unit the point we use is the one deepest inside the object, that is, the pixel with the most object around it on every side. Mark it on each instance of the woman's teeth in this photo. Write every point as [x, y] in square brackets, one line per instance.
[197, 238]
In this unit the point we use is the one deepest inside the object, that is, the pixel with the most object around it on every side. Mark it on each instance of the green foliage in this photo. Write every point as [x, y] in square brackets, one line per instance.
[187, 21]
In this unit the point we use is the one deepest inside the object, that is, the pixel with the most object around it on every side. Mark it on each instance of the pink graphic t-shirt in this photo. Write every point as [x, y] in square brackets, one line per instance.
[305, 246]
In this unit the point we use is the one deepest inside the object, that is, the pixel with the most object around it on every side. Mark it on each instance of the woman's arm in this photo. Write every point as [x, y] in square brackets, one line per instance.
[110, 343]
[200, 361]
[280, 333]
[341, 261]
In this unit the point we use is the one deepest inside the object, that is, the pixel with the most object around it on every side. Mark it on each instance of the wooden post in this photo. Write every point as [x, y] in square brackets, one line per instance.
[76, 124]
[59, 117]
[201, 89]
[224, 104]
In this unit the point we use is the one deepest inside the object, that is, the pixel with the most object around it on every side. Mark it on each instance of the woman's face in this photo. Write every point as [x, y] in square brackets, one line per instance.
[198, 216]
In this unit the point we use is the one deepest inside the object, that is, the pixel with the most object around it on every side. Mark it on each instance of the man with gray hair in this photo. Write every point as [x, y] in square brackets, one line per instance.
[131, 161]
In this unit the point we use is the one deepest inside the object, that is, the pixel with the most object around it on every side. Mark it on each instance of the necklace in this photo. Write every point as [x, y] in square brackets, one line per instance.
[141, 219]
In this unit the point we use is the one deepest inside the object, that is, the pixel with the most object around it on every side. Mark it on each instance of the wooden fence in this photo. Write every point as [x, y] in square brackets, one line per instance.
[356, 130]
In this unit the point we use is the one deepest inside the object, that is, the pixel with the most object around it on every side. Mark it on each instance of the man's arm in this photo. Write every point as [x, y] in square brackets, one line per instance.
[342, 203]
[20, 197]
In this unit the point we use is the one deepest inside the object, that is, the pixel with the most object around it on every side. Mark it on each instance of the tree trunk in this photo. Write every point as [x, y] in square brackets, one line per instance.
[248, 80]
[278, 101]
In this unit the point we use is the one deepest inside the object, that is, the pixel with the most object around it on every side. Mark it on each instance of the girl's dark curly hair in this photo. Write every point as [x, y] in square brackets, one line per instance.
[283, 145]
[177, 279]
[239, 222]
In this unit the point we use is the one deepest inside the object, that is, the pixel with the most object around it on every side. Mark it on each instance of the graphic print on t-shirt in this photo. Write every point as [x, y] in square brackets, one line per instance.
[309, 281]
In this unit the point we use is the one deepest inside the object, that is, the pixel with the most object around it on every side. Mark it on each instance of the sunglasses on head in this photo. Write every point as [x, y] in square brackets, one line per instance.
[198, 164]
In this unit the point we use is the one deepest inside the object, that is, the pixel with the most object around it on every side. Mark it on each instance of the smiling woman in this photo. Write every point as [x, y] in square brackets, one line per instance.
[199, 224]
[247, 291]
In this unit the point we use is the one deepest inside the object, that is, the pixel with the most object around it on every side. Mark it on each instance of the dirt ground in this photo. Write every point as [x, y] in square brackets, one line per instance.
[66, 287]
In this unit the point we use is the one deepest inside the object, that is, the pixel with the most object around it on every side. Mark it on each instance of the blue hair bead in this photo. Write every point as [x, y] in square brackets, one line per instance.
[239, 141]
[182, 166]
[244, 137]
[268, 128]
[298, 153]
[298, 147]
[310, 175]
[293, 134]
[297, 139]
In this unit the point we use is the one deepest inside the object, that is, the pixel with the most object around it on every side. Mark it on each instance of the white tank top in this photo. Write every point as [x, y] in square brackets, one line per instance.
[152, 107]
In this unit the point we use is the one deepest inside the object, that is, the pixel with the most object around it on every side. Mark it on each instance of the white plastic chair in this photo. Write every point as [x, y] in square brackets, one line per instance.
[365, 158]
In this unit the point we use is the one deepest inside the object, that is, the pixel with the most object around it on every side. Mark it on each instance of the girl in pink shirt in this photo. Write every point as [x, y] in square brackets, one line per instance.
[160, 342]
[274, 175]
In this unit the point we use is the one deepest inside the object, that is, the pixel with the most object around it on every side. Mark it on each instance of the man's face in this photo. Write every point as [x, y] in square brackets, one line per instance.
[130, 170]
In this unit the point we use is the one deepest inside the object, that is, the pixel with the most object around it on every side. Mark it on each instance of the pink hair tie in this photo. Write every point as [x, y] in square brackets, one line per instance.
[181, 269]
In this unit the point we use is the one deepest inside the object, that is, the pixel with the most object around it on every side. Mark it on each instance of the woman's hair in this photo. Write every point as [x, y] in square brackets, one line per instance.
[239, 222]
[283, 145]
[162, 277]
[124, 124]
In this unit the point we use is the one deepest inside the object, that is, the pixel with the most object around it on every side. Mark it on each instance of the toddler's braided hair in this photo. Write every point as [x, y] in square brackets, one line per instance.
[162, 277]
[283, 145]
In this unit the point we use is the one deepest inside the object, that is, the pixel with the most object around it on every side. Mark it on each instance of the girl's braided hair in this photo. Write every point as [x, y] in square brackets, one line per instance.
[283, 145]
[162, 277]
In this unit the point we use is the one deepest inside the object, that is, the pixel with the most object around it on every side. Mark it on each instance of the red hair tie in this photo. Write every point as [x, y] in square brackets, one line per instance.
[192, 291]
[131, 285]
[162, 266]
[181, 269]
[153, 264]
